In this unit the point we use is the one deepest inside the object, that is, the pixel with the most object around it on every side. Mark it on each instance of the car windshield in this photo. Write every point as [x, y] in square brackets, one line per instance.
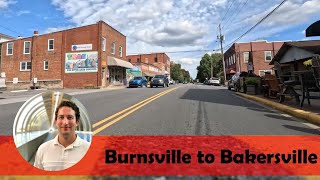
[137, 78]
[159, 76]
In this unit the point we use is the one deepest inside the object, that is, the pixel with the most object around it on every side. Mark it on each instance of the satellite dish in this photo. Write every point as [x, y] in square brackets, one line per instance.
[313, 29]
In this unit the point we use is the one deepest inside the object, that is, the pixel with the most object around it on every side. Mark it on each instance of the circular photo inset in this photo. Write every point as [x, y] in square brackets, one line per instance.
[52, 131]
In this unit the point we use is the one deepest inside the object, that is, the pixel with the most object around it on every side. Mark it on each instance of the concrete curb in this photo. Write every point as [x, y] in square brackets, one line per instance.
[302, 114]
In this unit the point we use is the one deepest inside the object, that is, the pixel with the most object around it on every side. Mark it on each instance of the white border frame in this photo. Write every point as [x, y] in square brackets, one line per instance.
[265, 56]
[8, 48]
[49, 45]
[44, 65]
[26, 62]
[24, 47]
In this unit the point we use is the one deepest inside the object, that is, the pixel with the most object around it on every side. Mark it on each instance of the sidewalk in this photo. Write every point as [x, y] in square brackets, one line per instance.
[308, 112]
[8, 97]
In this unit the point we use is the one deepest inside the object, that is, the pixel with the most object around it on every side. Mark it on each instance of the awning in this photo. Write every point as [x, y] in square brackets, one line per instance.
[147, 74]
[231, 71]
[118, 62]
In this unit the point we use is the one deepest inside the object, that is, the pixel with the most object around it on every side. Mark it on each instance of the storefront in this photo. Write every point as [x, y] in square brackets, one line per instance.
[117, 71]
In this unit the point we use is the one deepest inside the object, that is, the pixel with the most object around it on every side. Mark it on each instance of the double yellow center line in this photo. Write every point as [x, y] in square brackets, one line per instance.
[126, 112]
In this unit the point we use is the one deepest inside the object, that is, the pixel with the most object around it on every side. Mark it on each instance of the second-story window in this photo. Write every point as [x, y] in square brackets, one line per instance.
[50, 44]
[155, 59]
[120, 51]
[9, 48]
[246, 57]
[113, 47]
[26, 47]
[104, 43]
[129, 60]
[267, 56]
[138, 60]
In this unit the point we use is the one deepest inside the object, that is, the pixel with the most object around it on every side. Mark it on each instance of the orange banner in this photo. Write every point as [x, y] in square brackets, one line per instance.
[183, 156]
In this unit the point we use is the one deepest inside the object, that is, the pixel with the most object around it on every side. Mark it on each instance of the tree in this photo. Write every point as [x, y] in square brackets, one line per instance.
[204, 69]
[179, 74]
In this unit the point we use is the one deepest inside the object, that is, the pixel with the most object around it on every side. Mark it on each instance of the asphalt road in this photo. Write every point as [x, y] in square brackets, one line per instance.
[177, 110]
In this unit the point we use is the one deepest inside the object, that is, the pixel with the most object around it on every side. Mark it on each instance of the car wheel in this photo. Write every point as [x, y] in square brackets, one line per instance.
[229, 88]
[151, 86]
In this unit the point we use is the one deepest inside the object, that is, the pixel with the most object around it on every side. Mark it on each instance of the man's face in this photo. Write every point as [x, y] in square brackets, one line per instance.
[66, 121]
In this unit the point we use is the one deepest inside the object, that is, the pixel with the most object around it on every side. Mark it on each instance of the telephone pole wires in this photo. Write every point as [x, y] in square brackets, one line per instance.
[221, 38]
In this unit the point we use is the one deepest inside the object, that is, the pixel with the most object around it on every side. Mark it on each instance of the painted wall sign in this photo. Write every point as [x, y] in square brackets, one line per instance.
[81, 62]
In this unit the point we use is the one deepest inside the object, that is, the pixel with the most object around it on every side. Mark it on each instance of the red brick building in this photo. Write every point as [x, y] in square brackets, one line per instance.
[92, 55]
[151, 64]
[260, 53]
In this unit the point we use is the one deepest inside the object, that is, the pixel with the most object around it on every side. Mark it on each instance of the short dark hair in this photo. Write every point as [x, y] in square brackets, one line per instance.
[71, 105]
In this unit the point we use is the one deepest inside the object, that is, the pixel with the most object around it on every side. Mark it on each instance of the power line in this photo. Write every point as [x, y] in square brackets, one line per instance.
[236, 14]
[258, 23]
[10, 30]
[172, 52]
[227, 11]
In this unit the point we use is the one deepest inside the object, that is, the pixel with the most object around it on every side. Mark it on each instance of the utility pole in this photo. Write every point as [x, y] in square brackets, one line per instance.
[211, 72]
[221, 38]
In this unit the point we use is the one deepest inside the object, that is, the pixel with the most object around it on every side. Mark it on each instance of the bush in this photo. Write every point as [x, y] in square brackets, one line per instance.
[252, 81]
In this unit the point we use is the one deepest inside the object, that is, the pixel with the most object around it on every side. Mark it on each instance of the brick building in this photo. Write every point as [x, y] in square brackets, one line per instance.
[92, 55]
[151, 64]
[260, 53]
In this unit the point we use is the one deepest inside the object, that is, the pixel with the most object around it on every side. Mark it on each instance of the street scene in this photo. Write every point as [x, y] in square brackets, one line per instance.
[71, 71]
[184, 109]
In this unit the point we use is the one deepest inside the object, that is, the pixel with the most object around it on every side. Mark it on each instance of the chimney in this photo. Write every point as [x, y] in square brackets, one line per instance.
[35, 33]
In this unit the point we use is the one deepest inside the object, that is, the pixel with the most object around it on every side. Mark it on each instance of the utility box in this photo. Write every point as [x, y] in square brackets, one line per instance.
[3, 86]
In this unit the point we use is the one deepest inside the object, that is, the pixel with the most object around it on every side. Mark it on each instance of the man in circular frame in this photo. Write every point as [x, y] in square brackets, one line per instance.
[67, 148]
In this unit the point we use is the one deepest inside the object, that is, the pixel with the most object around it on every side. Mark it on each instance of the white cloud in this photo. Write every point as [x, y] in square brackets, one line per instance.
[55, 29]
[22, 12]
[4, 4]
[180, 25]
[188, 61]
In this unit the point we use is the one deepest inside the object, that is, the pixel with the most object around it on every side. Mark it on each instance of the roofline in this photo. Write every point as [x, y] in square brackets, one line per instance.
[112, 28]
[147, 54]
[7, 36]
[261, 41]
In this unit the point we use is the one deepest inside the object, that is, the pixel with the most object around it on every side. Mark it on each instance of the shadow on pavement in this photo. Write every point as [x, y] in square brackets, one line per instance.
[218, 96]
[301, 129]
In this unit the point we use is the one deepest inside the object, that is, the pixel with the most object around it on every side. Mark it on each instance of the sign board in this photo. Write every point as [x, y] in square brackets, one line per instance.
[81, 47]
[15, 80]
[250, 66]
[81, 62]
[3, 74]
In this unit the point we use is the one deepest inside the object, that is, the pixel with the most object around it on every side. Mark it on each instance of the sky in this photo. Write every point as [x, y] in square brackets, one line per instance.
[170, 26]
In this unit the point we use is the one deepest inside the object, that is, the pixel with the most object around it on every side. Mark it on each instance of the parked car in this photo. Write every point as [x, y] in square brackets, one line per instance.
[234, 82]
[171, 81]
[138, 81]
[214, 81]
[159, 80]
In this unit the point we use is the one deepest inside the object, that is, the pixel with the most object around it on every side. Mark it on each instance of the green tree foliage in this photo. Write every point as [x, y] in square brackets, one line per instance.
[179, 74]
[204, 69]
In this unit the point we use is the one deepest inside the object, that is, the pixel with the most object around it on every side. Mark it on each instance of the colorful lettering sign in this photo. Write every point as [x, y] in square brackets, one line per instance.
[81, 62]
